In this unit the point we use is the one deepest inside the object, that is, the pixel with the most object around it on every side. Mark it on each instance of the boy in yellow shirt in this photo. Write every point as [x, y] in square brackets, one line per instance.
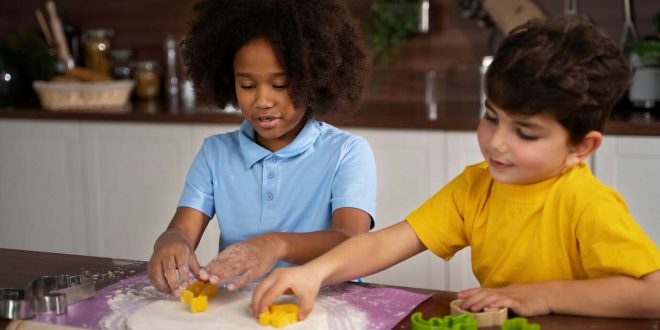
[546, 235]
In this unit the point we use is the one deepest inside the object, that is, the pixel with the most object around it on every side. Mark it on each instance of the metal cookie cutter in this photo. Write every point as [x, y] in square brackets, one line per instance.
[13, 304]
[45, 295]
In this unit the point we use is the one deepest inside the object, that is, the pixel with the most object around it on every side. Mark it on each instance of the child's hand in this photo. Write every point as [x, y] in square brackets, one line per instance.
[524, 300]
[303, 283]
[246, 261]
[171, 262]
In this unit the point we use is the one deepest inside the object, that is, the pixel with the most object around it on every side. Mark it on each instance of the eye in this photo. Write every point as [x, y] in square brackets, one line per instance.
[527, 137]
[246, 86]
[281, 86]
[490, 118]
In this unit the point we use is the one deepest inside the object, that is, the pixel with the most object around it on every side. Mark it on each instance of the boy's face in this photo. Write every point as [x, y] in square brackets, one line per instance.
[262, 93]
[523, 149]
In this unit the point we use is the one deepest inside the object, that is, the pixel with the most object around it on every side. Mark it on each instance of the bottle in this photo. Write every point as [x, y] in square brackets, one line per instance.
[147, 79]
[97, 49]
[171, 77]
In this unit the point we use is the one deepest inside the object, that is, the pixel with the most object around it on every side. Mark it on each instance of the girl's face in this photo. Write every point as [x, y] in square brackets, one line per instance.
[523, 149]
[262, 93]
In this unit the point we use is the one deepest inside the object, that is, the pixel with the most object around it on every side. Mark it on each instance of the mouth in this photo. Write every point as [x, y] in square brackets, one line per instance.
[497, 164]
[266, 122]
[266, 118]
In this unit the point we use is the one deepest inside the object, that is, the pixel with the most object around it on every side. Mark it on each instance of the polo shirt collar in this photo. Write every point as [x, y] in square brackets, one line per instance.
[253, 152]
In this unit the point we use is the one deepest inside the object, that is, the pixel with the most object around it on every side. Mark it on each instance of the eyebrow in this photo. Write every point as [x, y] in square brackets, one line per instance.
[249, 75]
[525, 124]
[528, 125]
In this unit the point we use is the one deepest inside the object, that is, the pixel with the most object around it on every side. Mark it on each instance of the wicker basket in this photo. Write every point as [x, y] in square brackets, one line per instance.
[105, 95]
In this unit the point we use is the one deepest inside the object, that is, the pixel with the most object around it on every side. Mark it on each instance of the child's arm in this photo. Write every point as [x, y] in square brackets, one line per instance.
[359, 256]
[174, 251]
[616, 296]
[249, 260]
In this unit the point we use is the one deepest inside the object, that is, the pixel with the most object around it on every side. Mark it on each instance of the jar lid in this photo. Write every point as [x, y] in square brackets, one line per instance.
[121, 54]
[146, 65]
[98, 33]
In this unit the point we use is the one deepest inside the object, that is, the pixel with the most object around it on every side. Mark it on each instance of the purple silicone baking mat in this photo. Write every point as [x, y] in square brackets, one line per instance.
[111, 306]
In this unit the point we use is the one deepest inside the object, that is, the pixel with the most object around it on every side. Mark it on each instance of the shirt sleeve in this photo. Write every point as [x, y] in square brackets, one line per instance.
[198, 189]
[439, 222]
[354, 184]
[612, 243]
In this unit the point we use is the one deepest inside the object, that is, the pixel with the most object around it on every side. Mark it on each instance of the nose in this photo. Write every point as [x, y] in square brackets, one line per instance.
[499, 140]
[264, 99]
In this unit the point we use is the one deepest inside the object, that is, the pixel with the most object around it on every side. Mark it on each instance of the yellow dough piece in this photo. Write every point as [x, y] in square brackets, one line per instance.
[186, 296]
[279, 316]
[210, 290]
[198, 304]
[197, 294]
[196, 287]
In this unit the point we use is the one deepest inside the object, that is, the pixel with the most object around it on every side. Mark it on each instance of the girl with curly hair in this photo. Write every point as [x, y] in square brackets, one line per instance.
[284, 187]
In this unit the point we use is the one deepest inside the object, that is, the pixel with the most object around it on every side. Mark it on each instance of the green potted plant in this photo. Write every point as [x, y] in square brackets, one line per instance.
[645, 61]
[24, 57]
[387, 27]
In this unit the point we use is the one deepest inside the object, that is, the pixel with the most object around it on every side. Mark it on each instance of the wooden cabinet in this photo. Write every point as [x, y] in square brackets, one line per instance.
[462, 150]
[41, 187]
[410, 167]
[109, 189]
[630, 165]
[134, 174]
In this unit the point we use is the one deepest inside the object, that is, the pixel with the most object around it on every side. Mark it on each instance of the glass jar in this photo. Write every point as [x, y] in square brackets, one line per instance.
[96, 45]
[147, 79]
[120, 62]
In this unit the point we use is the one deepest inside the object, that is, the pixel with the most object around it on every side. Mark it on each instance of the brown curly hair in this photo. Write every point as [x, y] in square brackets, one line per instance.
[565, 67]
[316, 43]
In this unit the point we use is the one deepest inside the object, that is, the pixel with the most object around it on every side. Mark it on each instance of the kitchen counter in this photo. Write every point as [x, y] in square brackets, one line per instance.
[20, 266]
[449, 116]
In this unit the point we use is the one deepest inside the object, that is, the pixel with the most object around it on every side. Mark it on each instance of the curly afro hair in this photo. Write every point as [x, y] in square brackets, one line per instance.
[316, 43]
[565, 67]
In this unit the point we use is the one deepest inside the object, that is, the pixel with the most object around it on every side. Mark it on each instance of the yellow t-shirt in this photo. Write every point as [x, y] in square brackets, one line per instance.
[565, 228]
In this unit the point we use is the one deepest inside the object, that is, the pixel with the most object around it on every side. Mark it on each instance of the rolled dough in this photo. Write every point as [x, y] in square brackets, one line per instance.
[229, 310]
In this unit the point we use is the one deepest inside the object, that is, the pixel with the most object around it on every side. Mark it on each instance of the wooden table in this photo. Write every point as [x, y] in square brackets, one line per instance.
[18, 267]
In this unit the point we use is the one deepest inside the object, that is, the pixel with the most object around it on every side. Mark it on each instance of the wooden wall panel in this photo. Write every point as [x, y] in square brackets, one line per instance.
[453, 47]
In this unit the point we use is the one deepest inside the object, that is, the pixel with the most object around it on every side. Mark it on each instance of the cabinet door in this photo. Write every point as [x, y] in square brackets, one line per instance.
[630, 165]
[135, 173]
[410, 168]
[41, 194]
[462, 150]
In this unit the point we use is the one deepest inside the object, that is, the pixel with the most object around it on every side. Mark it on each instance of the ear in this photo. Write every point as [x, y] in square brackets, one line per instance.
[585, 148]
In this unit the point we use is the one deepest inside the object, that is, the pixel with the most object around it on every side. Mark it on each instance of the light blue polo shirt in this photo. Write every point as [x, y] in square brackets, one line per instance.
[296, 189]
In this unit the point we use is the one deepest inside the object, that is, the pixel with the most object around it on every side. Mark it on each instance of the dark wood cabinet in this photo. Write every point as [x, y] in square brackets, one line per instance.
[453, 48]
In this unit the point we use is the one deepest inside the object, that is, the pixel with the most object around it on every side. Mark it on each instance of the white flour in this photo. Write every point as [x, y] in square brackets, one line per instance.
[124, 302]
[146, 308]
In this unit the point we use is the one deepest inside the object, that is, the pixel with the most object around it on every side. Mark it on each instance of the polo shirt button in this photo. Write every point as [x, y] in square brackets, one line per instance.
[269, 196]
[273, 160]
[271, 175]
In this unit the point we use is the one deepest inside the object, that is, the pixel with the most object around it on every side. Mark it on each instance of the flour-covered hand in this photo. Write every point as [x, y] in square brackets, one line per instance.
[171, 263]
[301, 281]
[523, 299]
[243, 262]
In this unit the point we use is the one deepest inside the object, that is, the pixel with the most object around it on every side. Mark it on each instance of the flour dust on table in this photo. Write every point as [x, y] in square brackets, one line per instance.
[229, 310]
